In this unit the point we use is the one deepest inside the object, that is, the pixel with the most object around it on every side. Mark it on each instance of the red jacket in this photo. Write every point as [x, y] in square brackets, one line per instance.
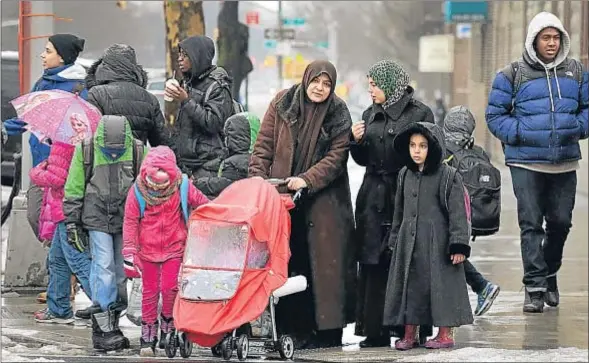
[161, 233]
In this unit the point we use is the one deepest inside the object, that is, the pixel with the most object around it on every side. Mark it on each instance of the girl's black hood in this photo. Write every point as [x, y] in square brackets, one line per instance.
[436, 147]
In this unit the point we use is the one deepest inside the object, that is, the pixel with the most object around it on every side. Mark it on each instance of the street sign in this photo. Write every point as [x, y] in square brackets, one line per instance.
[293, 21]
[463, 30]
[287, 34]
[252, 17]
[466, 11]
[323, 45]
[283, 48]
[269, 43]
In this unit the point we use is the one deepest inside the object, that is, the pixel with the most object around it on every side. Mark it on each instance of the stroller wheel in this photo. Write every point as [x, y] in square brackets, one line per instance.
[185, 346]
[171, 345]
[286, 347]
[243, 347]
[217, 350]
[227, 348]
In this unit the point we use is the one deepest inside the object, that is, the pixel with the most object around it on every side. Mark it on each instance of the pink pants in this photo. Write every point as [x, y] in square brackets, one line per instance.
[159, 277]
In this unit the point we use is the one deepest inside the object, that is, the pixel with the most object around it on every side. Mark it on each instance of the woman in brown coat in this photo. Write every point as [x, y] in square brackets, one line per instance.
[305, 137]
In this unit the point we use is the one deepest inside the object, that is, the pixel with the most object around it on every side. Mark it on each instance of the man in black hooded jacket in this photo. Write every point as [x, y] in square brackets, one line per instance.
[199, 124]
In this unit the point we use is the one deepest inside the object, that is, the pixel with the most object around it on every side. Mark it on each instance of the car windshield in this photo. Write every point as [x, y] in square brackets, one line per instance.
[156, 86]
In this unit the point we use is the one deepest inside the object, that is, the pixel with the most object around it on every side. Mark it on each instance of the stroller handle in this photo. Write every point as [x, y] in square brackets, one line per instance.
[280, 182]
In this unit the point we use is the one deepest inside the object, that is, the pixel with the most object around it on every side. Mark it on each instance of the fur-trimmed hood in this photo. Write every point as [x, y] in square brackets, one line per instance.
[337, 120]
[118, 64]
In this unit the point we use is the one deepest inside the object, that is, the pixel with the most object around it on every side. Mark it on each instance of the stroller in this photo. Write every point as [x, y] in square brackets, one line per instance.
[235, 261]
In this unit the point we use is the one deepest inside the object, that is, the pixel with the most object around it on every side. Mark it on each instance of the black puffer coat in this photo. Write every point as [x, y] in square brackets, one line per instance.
[116, 85]
[375, 201]
[199, 125]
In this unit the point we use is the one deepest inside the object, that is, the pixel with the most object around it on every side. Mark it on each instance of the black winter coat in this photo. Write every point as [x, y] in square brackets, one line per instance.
[198, 140]
[375, 200]
[430, 224]
[117, 87]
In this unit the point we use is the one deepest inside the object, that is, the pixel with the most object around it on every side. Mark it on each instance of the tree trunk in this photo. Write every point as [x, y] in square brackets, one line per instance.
[232, 44]
[183, 19]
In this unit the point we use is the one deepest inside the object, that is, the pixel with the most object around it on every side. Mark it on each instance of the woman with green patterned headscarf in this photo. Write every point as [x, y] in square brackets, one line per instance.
[393, 109]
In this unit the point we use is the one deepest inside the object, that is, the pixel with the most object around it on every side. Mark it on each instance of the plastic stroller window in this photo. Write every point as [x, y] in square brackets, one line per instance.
[214, 260]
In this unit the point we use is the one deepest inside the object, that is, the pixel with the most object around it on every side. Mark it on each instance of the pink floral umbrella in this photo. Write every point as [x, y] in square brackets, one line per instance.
[57, 115]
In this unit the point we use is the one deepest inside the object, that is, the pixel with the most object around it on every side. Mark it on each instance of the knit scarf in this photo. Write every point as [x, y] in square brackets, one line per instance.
[391, 78]
[156, 194]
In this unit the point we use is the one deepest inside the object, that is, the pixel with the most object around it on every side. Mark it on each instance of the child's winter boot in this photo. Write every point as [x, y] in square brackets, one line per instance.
[410, 340]
[106, 334]
[148, 338]
[168, 332]
[444, 339]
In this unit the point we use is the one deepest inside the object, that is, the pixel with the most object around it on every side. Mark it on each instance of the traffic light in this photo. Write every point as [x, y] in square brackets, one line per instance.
[122, 4]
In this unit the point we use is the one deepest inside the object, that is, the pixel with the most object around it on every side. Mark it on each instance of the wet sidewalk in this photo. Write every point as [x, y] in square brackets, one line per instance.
[505, 333]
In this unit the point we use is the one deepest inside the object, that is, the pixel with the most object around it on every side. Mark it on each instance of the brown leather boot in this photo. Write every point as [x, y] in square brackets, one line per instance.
[409, 341]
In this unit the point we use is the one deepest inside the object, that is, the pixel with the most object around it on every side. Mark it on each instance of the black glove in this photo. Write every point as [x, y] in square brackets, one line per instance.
[77, 237]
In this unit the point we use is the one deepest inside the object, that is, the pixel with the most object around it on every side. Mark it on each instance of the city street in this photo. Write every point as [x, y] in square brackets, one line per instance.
[503, 334]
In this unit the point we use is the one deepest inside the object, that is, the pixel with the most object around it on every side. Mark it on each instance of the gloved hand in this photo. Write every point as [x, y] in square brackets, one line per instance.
[132, 268]
[14, 126]
[77, 237]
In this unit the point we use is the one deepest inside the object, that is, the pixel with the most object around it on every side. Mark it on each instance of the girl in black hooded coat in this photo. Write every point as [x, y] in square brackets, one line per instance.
[428, 241]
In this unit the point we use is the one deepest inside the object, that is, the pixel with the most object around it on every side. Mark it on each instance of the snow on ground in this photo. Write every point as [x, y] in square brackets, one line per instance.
[502, 355]
[10, 351]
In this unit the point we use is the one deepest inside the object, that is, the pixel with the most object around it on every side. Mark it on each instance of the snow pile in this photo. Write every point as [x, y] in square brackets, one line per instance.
[503, 355]
[7, 356]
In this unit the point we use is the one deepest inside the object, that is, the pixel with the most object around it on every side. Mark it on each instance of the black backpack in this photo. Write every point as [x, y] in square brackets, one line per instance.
[575, 67]
[237, 107]
[483, 183]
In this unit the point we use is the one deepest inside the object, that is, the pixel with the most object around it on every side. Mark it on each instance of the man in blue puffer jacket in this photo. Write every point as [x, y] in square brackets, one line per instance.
[538, 108]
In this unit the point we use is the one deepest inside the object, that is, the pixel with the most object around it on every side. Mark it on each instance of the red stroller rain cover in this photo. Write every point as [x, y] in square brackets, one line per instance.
[237, 254]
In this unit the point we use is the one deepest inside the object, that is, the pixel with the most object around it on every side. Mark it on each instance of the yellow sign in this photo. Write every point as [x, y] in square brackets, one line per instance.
[294, 68]
[342, 91]
[270, 61]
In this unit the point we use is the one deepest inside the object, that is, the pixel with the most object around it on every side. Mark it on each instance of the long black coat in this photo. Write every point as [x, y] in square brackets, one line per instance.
[429, 225]
[375, 200]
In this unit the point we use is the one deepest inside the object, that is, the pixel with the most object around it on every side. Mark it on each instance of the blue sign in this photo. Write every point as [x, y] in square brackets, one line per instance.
[270, 44]
[293, 21]
[323, 45]
[466, 11]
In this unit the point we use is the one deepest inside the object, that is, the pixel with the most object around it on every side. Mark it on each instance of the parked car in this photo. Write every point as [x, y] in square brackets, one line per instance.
[156, 87]
[11, 90]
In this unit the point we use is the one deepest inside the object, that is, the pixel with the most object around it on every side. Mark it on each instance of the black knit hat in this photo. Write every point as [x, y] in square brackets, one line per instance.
[68, 46]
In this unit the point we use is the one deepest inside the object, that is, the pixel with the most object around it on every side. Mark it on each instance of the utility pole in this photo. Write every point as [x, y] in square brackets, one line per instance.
[280, 40]
[25, 263]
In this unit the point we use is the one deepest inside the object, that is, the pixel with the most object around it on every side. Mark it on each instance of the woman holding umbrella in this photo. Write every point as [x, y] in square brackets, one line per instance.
[60, 72]
[63, 121]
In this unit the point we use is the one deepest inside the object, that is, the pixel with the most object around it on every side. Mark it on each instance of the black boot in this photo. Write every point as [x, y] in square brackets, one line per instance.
[106, 334]
[373, 342]
[148, 339]
[552, 297]
[87, 313]
[534, 302]
[167, 331]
